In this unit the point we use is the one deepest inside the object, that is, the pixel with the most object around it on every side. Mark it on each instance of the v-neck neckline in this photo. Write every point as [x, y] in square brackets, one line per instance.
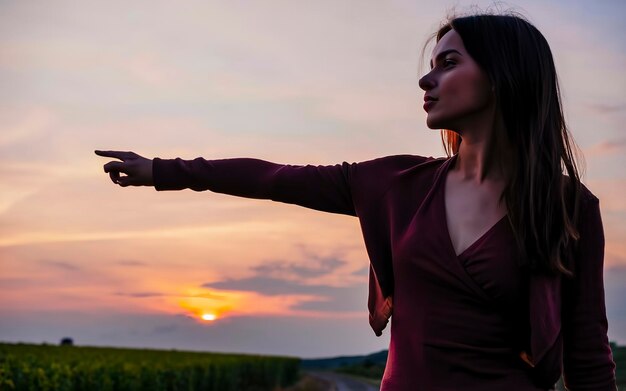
[444, 210]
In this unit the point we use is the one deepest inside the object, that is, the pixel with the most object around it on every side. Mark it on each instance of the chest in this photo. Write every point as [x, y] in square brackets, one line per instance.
[425, 269]
[483, 268]
[471, 210]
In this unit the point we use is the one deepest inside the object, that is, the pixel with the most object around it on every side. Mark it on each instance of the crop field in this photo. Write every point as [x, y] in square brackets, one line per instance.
[27, 367]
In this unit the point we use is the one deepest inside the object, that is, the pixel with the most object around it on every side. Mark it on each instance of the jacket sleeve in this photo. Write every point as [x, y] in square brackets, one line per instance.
[340, 188]
[587, 358]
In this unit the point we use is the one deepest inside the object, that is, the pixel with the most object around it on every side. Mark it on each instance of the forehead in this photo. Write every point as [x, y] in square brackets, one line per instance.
[450, 40]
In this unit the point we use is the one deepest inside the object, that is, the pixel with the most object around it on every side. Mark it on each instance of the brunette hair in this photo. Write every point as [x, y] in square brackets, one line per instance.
[542, 203]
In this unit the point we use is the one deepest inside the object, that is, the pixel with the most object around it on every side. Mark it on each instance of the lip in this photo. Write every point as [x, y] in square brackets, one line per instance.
[429, 104]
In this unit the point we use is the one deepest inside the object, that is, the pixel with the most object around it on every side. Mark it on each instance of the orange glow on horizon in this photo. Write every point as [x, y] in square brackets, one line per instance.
[208, 306]
[208, 317]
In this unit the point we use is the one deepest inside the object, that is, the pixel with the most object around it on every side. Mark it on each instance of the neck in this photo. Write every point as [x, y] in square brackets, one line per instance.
[481, 156]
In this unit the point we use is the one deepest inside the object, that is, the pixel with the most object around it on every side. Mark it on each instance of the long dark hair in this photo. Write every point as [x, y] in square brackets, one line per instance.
[542, 203]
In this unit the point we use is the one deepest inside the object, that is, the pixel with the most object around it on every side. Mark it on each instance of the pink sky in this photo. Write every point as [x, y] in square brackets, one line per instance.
[290, 82]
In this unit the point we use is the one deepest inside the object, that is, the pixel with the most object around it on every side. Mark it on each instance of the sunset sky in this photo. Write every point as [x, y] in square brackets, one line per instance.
[298, 82]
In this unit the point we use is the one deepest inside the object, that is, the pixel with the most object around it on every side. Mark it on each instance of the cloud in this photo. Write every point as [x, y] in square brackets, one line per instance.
[131, 263]
[320, 266]
[611, 193]
[139, 294]
[268, 286]
[286, 278]
[276, 279]
[14, 283]
[362, 272]
[149, 68]
[607, 147]
[25, 125]
[212, 296]
[352, 298]
[61, 265]
[165, 329]
[599, 108]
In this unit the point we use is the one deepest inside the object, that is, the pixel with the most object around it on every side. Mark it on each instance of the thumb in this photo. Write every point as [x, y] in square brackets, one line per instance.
[125, 181]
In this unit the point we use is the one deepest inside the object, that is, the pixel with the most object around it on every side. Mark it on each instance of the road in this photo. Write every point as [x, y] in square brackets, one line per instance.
[342, 382]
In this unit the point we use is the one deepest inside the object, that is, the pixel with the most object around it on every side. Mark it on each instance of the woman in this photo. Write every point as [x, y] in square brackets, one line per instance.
[489, 259]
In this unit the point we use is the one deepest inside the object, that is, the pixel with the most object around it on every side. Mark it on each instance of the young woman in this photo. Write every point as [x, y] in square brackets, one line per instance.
[489, 259]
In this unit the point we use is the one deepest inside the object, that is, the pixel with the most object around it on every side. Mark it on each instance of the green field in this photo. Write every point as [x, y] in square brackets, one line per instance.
[26, 367]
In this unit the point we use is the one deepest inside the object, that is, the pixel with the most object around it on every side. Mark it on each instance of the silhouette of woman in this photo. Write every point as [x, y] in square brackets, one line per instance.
[489, 260]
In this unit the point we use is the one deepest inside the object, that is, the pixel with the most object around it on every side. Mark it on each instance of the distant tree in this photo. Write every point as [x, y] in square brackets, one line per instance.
[67, 341]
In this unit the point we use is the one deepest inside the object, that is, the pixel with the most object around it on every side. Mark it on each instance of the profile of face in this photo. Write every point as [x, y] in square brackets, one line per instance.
[458, 92]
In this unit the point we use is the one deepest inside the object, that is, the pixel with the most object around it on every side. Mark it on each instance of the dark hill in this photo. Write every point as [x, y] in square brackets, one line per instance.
[379, 358]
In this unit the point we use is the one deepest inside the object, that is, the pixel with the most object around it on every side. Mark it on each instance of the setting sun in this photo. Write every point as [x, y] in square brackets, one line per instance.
[208, 316]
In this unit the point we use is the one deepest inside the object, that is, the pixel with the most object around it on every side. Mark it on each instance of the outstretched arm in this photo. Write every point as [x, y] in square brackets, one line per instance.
[325, 188]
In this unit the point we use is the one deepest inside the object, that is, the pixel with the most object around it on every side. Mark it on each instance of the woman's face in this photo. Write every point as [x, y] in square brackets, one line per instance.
[458, 93]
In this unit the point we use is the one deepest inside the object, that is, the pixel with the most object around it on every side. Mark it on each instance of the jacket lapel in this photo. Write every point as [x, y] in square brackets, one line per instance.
[545, 314]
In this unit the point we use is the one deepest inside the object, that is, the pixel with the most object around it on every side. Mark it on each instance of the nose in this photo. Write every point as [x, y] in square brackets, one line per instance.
[426, 82]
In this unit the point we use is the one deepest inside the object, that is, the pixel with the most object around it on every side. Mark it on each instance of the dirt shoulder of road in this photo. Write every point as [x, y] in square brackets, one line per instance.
[309, 383]
[367, 380]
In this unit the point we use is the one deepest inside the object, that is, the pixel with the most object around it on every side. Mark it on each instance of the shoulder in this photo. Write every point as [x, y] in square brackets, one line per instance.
[399, 162]
[588, 219]
[589, 209]
[370, 179]
[586, 196]
[590, 216]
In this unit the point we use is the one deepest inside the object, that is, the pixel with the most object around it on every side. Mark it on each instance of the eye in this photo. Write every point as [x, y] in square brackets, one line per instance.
[448, 62]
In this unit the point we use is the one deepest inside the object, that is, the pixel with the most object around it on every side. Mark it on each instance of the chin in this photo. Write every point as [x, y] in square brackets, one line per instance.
[435, 123]
[432, 126]
[439, 122]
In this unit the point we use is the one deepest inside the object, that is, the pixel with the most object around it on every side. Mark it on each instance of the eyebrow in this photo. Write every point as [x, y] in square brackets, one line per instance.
[443, 54]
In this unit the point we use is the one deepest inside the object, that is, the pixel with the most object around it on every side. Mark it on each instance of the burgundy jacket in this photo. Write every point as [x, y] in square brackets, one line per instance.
[568, 324]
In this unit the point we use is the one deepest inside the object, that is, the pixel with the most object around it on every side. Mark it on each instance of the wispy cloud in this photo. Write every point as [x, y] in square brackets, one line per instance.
[362, 272]
[140, 294]
[606, 108]
[63, 265]
[281, 278]
[14, 283]
[315, 267]
[607, 147]
[132, 263]
[165, 329]
[611, 194]
[350, 298]
[267, 286]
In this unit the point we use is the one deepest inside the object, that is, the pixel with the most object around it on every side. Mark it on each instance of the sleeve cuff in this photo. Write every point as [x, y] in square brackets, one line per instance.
[165, 175]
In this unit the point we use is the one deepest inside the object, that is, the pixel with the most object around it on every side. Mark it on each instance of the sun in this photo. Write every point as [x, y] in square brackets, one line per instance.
[208, 316]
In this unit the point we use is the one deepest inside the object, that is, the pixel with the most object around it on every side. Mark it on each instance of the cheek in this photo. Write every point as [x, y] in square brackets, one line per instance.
[467, 89]
[481, 88]
[480, 84]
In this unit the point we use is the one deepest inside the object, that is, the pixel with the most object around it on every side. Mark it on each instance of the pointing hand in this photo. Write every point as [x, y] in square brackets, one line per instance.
[137, 168]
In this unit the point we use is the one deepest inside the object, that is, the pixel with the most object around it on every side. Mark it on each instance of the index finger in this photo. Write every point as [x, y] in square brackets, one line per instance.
[115, 154]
